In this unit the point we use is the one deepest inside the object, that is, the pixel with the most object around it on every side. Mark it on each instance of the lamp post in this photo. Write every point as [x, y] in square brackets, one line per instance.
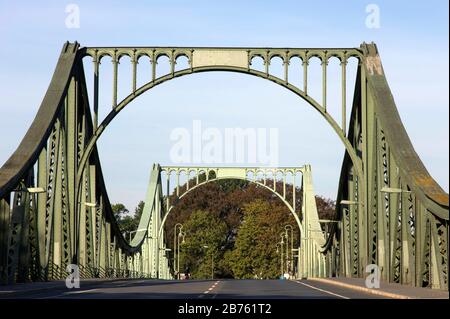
[175, 248]
[180, 235]
[282, 235]
[280, 251]
[289, 258]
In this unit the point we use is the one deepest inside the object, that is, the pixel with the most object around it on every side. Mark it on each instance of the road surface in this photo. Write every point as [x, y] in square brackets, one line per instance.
[193, 289]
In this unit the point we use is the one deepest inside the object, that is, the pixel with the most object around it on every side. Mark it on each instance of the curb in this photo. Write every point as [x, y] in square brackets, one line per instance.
[363, 289]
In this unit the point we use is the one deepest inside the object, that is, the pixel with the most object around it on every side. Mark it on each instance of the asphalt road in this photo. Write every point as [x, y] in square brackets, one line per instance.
[195, 289]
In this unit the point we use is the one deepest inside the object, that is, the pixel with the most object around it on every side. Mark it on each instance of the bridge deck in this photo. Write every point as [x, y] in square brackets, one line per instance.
[206, 289]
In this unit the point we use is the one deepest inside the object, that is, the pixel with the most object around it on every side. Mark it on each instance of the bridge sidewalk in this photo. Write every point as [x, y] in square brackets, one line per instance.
[388, 290]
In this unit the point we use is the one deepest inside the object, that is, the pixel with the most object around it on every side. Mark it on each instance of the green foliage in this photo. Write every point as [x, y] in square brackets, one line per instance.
[127, 223]
[139, 210]
[254, 254]
[119, 211]
[204, 245]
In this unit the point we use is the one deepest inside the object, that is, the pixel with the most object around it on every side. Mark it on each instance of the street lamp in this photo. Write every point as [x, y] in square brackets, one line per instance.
[289, 259]
[393, 190]
[280, 251]
[175, 248]
[180, 235]
[36, 190]
[348, 202]
[282, 235]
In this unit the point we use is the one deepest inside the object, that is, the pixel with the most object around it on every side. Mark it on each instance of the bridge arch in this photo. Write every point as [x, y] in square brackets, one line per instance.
[233, 66]
[188, 191]
[156, 212]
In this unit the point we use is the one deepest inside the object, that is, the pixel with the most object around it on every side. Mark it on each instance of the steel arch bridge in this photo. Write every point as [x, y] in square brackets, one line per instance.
[152, 259]
[55, 210]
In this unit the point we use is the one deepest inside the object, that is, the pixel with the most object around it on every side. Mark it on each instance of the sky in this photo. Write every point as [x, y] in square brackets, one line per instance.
[412, 37]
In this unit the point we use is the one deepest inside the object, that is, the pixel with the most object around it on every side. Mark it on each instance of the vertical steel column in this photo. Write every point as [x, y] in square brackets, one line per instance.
[103, 252]
[15, 233]
[344, 96]
[406, 257]
[57, 240]
[95, 218]
[96, 80]
[324, 83]
[41, 212]
[71, 164]
[134, 62]
[23, 270]
[363, 188]
[305, 63]
[382, 223]
[370, 169]
[393, 215]
[115, 63]
[294, 175]
[154, 62]
[4, 225]
[83, 218]
[286, 69]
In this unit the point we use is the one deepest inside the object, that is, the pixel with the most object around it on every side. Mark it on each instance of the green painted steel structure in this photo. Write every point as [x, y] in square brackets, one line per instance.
[310, 260]
[152, 257]
[54, 208]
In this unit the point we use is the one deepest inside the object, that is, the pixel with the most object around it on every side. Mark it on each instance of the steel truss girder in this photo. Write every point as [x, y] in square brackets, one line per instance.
[407, 218]
[311, 261]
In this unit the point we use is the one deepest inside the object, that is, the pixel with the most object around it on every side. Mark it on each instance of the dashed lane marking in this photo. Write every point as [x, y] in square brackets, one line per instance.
[210, 289]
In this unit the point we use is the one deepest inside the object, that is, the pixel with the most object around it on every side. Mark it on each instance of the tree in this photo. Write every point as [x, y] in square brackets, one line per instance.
[255, 251]
[326, 208]
[138, 211]
[119, 211]
[137, 215]
[204, 245]
[127, 223]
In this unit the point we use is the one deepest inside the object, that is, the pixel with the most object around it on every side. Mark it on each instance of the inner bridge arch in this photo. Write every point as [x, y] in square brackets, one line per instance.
[212, 174]
[310, 260]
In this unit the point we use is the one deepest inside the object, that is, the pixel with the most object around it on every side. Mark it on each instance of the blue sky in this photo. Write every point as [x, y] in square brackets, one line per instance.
[412, 39]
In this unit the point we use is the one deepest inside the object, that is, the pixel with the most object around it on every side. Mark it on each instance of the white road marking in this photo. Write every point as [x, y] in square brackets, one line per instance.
[322, 290]
[80, 291]
[209, 290]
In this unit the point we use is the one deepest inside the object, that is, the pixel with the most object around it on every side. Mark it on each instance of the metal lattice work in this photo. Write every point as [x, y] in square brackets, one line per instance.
[54, 208]
[308, 221]
[158, 207]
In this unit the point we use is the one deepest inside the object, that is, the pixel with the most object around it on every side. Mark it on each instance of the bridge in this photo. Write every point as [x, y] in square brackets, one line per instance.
[55, 210]
[153, 260]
